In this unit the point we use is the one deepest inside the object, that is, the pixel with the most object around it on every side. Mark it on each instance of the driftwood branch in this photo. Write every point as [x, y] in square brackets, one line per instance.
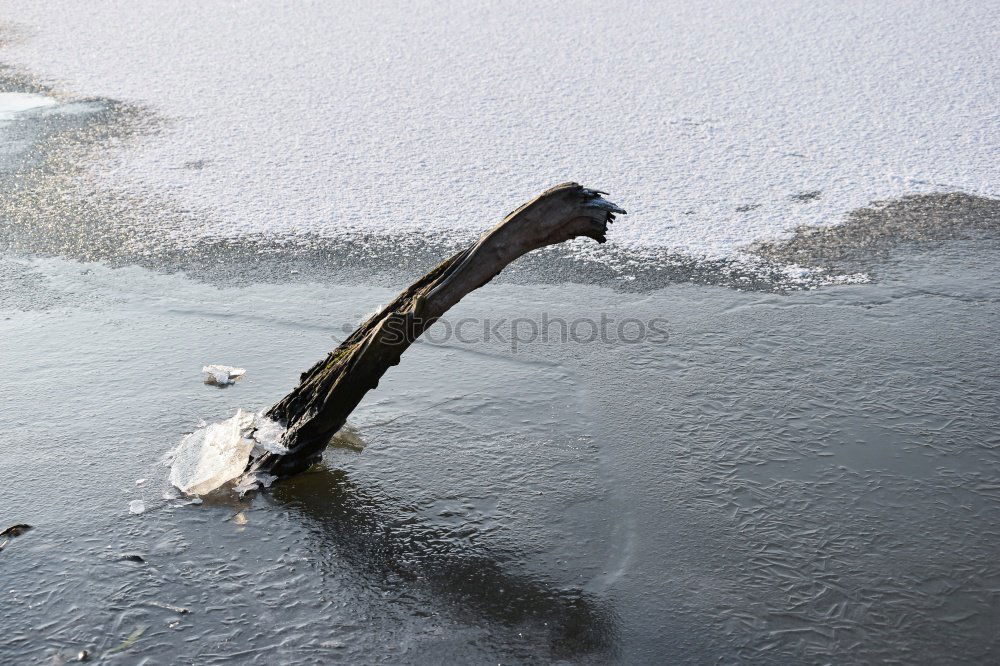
[329, 391]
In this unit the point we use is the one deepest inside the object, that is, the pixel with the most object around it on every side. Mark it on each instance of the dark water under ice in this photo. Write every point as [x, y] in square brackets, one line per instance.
[802, 477]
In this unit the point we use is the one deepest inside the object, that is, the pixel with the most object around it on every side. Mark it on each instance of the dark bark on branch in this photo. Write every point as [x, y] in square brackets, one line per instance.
[329, 391]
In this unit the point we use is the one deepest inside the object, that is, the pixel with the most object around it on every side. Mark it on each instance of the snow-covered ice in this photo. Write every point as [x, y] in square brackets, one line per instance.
[136, 507]
[713, 123]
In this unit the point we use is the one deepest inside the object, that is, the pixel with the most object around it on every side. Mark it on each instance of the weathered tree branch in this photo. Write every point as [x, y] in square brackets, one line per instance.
[329, 391]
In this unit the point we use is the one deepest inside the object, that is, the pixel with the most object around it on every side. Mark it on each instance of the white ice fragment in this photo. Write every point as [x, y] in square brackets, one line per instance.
[136, 506]
[254, 481]
[247, 484]
[211, 456]
[215, 454]
[267, 435]
[139, 482]
[222, 375]
[245, 420]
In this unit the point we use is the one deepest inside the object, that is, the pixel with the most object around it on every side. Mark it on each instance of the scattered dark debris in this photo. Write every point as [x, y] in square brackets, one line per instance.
[128, 557]
[811, 195]
[746, 207]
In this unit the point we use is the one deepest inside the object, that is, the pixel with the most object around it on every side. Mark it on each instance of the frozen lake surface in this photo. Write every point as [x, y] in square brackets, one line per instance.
[803, 469]
[797, 477]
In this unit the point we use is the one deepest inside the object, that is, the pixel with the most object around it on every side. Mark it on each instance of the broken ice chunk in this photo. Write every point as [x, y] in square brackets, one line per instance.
[246, 484]
[222, 375]
[211, 456]
[254, 481]
[245, 420]
[215, 454]
[267, 436]
[136, 506]
[348, 438]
